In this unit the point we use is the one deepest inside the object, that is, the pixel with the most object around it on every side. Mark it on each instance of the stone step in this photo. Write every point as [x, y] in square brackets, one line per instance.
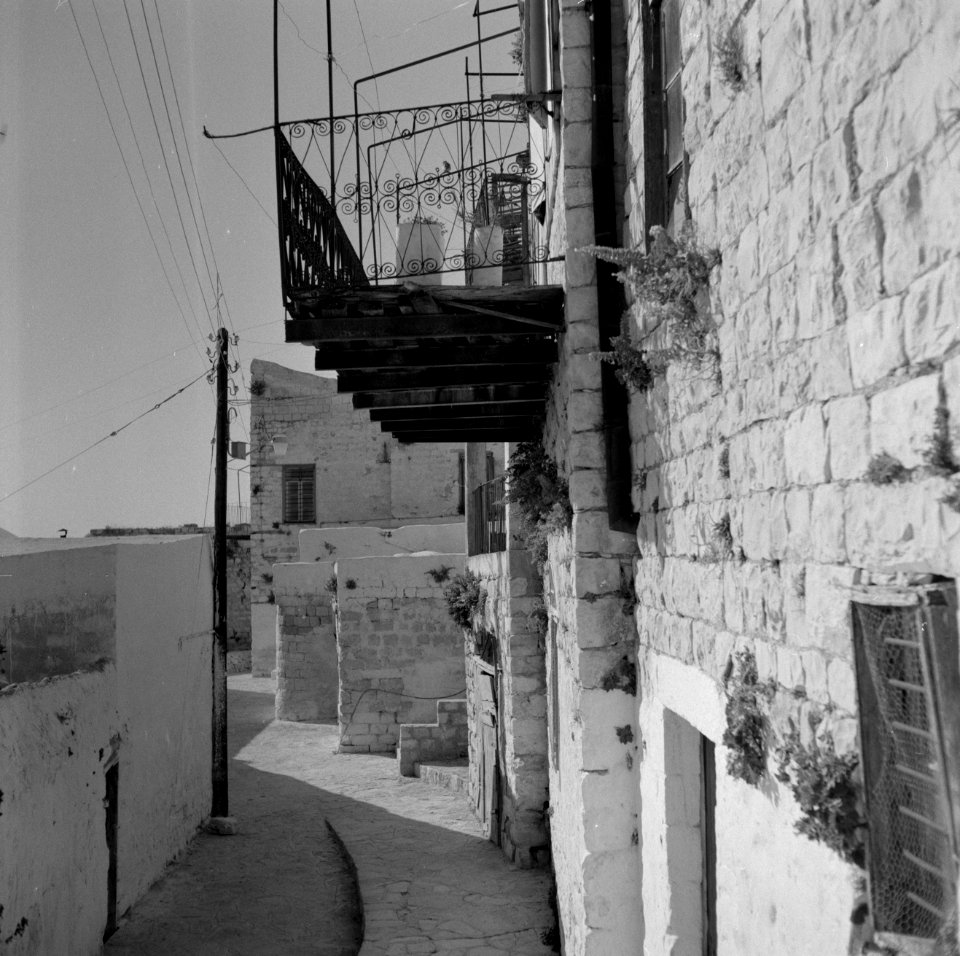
[449, 774]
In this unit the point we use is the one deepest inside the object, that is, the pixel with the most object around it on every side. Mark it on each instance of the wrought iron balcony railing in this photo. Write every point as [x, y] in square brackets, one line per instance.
[490, 517]
[410, 193]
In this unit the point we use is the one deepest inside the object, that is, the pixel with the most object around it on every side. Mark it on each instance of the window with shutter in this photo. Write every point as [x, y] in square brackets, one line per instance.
[663, 110]
[672, 102]
[299, 494]
[907, 684]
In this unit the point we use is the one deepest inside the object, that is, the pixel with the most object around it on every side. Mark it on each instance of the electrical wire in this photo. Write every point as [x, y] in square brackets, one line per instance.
[252, 193]
[100, 441]
[166, 165]
[96, 388]
[126, 167]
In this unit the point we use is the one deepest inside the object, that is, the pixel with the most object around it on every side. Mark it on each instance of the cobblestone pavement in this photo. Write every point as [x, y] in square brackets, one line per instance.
[429, 882]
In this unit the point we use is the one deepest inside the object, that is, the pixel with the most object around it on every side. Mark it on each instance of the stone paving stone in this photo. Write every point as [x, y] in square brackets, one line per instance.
[429, 881]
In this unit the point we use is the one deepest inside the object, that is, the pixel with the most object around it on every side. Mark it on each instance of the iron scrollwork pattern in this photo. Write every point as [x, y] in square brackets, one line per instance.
[316, 250]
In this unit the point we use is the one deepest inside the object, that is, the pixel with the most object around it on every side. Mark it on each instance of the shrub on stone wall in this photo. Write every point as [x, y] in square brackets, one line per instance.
[747, 728]
[465, 598]
[827, 788]
[536, 487]
[666, 282]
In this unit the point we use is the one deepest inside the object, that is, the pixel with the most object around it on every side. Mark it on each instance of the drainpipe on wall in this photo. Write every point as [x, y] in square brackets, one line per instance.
[610, 301]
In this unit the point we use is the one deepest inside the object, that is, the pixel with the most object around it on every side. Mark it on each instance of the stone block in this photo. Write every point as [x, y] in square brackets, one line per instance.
[875, 341]
[842, 685]
[782, 49]
[930, 313]
[827, 524]
[827, 605]
[902, 419]
[805, 447]
[859, 244]
[903, 210]
[830, 183]
[848, 437]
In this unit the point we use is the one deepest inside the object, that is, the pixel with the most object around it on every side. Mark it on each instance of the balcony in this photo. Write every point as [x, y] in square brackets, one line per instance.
[489, 510]
[417, 271]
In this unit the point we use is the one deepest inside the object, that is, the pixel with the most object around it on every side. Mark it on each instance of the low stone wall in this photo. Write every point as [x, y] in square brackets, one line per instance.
[398, 649]
[446, 739]
[306, 642]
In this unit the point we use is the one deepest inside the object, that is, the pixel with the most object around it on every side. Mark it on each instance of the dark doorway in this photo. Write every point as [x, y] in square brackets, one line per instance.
[111, 804]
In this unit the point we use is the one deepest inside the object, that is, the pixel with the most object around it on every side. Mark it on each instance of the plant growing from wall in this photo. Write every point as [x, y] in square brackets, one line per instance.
[884, 469]
[465, 598]
[331, 586]
[541, 494]
[257, 386]
[350, 584]
[666, 282]
[540, 618]
[938, 455]
[827, 788]
[723, 461]
[730, 61]
[747, 731]
[255, 490]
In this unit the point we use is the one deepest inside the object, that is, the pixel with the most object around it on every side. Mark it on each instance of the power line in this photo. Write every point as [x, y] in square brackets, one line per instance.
[126, 167]
[153, 196]
[176, 148]
[219, 292]
[96, 388]
[166, 165]
[249, 190]
[100, 441]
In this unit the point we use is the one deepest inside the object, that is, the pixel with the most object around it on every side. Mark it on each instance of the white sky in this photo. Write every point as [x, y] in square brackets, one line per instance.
[90, 333]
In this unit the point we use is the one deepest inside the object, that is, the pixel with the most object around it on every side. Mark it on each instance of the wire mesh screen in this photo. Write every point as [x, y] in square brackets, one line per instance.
[912, 881]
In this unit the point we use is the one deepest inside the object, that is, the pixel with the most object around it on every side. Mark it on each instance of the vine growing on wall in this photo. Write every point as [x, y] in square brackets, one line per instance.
[536, 487]
[666, 281]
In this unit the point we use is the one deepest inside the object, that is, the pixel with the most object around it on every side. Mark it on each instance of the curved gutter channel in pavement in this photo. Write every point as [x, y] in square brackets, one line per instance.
[355, 913]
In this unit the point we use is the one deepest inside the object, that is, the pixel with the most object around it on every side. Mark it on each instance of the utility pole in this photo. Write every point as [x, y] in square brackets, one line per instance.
[220, 806]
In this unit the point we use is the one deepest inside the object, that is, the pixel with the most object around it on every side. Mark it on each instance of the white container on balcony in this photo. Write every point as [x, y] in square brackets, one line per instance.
[486, 248]
[420, 252]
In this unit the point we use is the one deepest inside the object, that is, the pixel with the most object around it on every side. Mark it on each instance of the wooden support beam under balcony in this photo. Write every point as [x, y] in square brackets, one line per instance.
[428, 397]
[439, 413]
[461, 435]
[414, 327]
[492, 422]
[533, 305]
[380, 380]
[337, 356]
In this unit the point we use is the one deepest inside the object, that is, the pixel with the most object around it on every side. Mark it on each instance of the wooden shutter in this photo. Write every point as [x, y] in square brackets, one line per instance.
[299, 494]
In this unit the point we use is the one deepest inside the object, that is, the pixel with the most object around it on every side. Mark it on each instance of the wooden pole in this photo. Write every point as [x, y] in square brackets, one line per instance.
[220, 806]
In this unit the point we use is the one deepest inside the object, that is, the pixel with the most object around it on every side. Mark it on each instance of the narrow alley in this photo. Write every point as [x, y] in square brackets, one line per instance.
[424, 879]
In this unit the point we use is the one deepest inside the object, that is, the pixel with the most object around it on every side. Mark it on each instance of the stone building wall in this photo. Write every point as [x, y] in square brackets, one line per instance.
[590, 642]
[363, 476]
[830, 186]
[306, 657]
[512, 589]
[398, 649]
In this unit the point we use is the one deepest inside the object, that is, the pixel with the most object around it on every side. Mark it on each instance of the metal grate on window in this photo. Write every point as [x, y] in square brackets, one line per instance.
[299, 494]
[911, 838]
